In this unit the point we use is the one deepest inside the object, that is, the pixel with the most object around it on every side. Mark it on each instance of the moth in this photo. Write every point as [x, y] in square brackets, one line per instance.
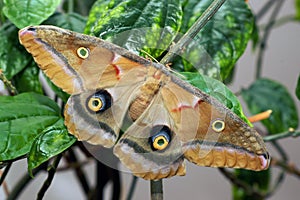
[152, 119]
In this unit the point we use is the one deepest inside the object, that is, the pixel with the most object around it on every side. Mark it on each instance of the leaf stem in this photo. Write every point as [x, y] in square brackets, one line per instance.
[290, 133]
[282, 21]
[264, 10]
[288, 167]
[156, 190]
[48, 181]
[70, 6]
[280, 150]
[192, 32]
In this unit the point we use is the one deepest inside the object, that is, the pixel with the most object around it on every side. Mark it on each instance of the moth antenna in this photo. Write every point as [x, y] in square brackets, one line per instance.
[260, 116]
[148, 54]
[166, 65]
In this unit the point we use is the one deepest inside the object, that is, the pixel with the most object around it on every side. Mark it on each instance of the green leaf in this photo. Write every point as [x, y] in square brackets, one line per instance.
[265, 94]
[97, 11]
[22, 119]
[298, 88]
[70, 21]
[217, 90]
[224, 38]
[28, 80]
[259, 180]
[13, 57]
[49, 143]
[29, 12]
[150, 25]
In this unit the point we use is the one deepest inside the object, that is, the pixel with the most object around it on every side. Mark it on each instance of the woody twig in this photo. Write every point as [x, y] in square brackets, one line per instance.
[7, 83]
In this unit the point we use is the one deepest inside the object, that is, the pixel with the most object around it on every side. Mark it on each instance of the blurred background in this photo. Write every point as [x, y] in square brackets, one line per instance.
[281, 62]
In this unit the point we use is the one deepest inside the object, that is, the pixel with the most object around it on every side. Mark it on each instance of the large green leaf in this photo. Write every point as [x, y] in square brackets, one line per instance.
[98, 9]
[71, 21]
[29, 12]
[49, 143]
[13, 57]
[218, 90]
[221, 41]
[150, 25]
[28, 79]
[265, 94]
[22, 119]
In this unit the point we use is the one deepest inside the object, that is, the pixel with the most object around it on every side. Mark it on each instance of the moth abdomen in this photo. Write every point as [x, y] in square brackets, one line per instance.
[143, 98]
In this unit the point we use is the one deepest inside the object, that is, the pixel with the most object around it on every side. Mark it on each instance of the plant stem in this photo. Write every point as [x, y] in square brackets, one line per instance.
[8, 84]
[265, 37]
[2, 178]
[48, 181]
[251, 191]
[280, 178]
[280, 150]
[6, 170]
[288, 167]
[23, 183]
[132, 187]
[264, 10]
[106, 174]
[284, 20]
[70, 6]
[80, 175]
[192, 32]
[157, 186]
[290, 133]
[156, 190]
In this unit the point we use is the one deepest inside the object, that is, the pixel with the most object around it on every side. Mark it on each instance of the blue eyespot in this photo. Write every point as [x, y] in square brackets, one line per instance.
[161, 137]
[99, 101]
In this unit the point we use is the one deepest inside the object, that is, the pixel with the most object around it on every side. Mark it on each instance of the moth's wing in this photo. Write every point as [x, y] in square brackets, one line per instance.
[98, 68]
[73, 61]
[135, 147]
[102, 127]
[221, 139]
